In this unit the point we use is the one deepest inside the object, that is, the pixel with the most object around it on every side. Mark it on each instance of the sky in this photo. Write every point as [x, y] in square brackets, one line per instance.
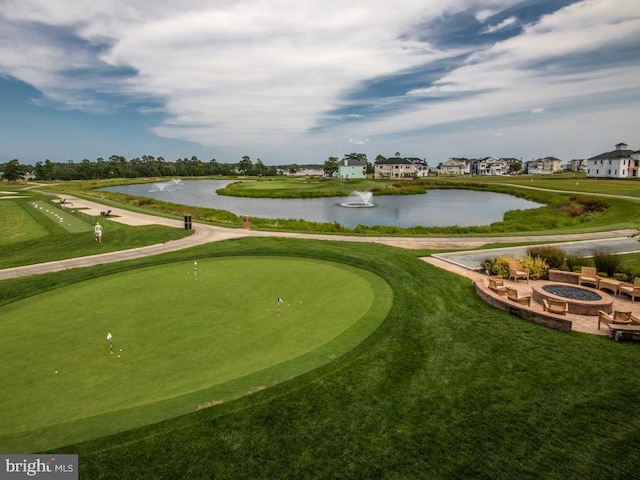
[298, 81]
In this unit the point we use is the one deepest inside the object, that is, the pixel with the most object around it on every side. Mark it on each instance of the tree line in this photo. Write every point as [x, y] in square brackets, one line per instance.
[117, 166]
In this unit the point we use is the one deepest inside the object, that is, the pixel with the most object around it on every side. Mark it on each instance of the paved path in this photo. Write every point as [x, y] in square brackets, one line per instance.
[207, 233]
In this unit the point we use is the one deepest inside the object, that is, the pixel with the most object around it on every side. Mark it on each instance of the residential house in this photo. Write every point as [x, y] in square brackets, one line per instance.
[546, 165]
[619, 163]
[456, 166]
[491, 166]
[422, 166]
[577, 165]
[352, 168]
[396, 168]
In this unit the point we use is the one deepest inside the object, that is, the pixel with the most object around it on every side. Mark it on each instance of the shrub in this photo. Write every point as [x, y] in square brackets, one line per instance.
[574, 262]
[554, 256]
[607, 263]
[497, 266]
[591, 204]
[537, 266]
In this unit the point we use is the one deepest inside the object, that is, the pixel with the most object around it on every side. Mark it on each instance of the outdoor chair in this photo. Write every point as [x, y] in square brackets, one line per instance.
[559, 307]
[515, 296]
[618, 318]
[588, 275]
[631, 289]
[496, 284]
[626, 324]
[517, 272]
[106, 214]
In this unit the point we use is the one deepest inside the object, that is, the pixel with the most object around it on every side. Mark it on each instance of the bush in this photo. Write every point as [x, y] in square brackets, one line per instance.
[574, 262]
[554, 256]
[607, 263]
[591, 204]
[537, 266]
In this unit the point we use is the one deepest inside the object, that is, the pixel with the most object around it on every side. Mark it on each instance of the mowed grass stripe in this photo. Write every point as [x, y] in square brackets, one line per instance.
[184, 328]
[61, 217]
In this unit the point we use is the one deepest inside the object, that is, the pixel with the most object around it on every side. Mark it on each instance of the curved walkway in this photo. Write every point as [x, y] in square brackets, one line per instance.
[208, 233]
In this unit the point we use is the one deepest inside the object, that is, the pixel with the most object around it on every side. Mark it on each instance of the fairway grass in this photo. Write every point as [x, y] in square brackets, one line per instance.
[61, 217]
[17, 222]
[187, 335]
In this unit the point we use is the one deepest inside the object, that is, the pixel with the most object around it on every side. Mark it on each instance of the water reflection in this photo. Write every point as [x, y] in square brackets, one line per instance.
[438, 208]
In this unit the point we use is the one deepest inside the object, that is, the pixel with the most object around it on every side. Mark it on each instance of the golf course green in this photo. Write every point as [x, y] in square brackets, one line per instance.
[186, 336]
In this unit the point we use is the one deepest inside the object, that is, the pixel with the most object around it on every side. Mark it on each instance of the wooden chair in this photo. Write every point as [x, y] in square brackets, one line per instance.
[631, 289]
[559, 307]
[496, 284]
[620, 327]
[517, 272]
[618, 318]
[515, 296]
[588, 275]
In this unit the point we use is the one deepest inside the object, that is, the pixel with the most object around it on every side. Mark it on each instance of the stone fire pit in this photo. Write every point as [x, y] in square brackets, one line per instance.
[581, 300]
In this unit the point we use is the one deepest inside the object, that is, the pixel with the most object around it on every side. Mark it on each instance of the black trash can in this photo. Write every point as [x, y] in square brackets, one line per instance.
[187, 222]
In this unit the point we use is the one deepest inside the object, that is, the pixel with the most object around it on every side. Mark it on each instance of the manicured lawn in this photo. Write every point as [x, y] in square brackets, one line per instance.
[35, 236]
[64, 218]
[447, 387]
[17, 222]
[187, 335]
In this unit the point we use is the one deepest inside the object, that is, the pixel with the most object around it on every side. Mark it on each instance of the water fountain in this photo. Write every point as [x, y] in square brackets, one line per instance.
[360, 200]
[166, 186]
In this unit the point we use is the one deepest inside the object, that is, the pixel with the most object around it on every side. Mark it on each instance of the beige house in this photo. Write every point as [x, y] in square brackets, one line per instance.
[456, 166]
[546, 165]
[396, 168]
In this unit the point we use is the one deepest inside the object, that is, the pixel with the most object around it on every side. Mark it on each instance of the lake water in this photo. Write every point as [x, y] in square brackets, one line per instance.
[437, 208]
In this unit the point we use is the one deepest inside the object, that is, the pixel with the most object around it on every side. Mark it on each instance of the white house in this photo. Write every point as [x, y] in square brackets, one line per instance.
[619, 163]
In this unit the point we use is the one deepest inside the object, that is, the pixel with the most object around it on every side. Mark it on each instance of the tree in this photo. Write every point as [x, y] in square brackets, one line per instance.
[330, 166]
[12, 170]
[380, 159]
[245, 166]
[515, 167]
[45, 171]
[293, 168]
[356, 156]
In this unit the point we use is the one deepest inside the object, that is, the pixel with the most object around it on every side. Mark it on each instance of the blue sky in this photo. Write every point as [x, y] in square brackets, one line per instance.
[296, 82]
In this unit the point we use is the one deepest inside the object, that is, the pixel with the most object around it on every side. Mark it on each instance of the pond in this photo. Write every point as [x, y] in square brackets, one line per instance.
[437, 208]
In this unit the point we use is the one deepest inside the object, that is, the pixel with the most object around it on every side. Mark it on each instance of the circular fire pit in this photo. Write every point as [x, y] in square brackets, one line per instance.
[580, 300]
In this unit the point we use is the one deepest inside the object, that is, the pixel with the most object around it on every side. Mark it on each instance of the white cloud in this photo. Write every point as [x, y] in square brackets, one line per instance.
[266, 72]
[506, 23]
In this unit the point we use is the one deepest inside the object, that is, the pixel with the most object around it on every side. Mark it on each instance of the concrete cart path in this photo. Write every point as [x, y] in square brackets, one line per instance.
[207, 233]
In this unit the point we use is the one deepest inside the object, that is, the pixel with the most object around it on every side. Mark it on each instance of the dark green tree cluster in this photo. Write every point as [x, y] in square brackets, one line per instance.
[12, 170]
[117, 166]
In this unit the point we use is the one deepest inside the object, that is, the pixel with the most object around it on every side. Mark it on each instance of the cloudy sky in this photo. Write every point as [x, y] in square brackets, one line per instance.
[300, 80]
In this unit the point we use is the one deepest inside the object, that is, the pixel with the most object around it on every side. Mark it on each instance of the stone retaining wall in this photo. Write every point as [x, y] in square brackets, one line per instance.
[564, 277]
[551, 320]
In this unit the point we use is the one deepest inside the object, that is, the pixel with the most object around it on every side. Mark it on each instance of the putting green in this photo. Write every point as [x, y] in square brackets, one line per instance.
[186, 335]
